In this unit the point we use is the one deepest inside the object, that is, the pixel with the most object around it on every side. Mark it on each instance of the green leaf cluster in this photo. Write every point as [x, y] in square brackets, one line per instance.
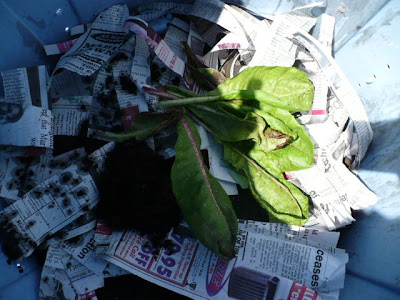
[251, 116]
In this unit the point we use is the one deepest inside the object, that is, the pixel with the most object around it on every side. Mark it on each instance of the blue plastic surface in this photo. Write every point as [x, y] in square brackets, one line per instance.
[371, 61]
[373, 241]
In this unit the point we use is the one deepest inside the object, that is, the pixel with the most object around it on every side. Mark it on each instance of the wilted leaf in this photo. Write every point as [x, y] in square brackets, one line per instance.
[192, 59]
[207, 78]
[298, 154]
[275, 139]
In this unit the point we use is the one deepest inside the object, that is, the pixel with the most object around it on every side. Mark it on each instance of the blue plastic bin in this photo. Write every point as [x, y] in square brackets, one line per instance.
[367, 45]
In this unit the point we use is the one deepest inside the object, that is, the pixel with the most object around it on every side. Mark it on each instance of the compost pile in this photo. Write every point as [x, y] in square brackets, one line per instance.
[158, 128]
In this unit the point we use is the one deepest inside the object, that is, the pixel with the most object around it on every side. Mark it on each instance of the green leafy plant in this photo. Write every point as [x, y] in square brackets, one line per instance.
[203, 201]
[251, 116]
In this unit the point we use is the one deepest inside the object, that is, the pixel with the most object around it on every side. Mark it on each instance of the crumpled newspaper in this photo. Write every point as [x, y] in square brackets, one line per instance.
[98, 85]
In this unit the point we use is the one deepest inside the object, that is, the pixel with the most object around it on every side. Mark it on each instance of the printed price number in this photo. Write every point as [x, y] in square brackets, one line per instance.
[168, 262]
[144, 255]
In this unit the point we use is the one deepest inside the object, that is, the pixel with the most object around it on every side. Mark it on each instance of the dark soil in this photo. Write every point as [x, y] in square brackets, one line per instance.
[135, 190]
[134, 288]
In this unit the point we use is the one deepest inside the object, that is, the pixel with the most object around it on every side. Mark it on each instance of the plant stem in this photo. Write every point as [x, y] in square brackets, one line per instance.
[186, 101]
[159, 93]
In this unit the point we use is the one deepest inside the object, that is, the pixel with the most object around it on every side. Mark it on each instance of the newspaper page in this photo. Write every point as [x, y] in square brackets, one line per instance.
[112, 270]
[83, 224]
[83, 251]
[25, 116]
[130, 101]
[292, 233]
[12, 185]
[157, 11]
[160, 47]
[98, 157]
[219, 168]
[86, 221]
[254, 29]
[30, 126]
[70, 84]
[82, 279]
[219, 13]
[268, 9]
[195, 40]
[26, 86]
[244, 29]
[162, 69]
[55, 283]
[47, 208]
[328, 132]
[22, 175]
[150, 15]
[333, 187]
[165, 7]
[177, 32]
[331, 194]
[323, 32]
[190, 269]
[70, 114]
[105, 113]
[8, 151]
[58, 281]
[341, 88]
[311, 266]
[116, 100]
[275, 49]
[141, 74]
[98, 44]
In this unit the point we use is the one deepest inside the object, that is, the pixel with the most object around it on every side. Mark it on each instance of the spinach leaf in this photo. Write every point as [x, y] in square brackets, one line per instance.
[283, 201]
[297, 154]
[204, 203]
[289, 85]
[229, 123]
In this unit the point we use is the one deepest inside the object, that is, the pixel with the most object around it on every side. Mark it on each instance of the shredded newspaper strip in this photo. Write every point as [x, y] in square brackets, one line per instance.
[59, 48]
[98, 85]
[98, 44]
